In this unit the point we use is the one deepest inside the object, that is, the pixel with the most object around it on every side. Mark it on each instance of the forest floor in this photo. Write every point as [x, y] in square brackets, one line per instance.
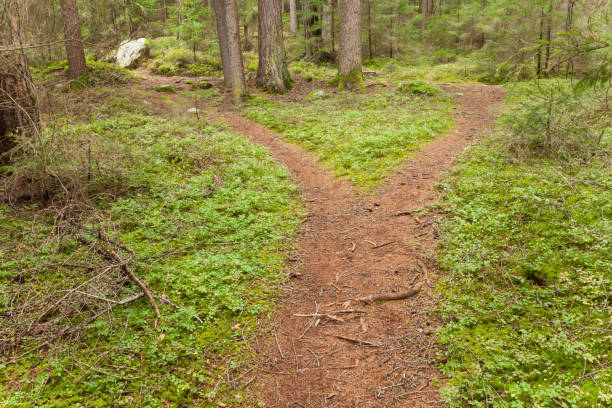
[323, 348]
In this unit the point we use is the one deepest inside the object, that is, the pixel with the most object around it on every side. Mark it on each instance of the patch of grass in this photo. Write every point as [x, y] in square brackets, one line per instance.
[209, 217]
[176, 57]
[528, 269]
[99, 73]
[310, 70]
[362, 136]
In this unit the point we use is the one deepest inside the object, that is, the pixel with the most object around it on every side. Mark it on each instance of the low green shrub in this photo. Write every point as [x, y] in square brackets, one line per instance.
[549, 119]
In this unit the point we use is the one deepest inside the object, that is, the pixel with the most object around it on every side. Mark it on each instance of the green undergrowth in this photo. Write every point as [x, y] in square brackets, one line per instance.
[362, 136]
[98, 73]
[528, 267]
[309, 70]
[175, 57]
[209, 217]
[442, 66]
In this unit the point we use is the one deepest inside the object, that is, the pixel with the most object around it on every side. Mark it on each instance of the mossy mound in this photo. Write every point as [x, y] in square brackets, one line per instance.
[417, 87]
[165, 88]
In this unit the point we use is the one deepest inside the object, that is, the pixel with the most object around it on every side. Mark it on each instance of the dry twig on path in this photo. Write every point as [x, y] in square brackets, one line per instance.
[357, 341]
[389, 296]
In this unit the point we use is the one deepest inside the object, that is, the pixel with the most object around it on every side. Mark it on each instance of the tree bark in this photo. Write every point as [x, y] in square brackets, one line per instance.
[370, 29]
[272, 73]
[73, 38]
[539, 55]
[164, 11]
[293, 20]
[235, 52]
[350, 50]
[219, 6]
[327, 27]
[548, 37]
[569, 20]
[18, 108]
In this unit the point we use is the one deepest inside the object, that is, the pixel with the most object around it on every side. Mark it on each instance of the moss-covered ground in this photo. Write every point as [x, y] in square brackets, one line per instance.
[209, 217]
[526, 279]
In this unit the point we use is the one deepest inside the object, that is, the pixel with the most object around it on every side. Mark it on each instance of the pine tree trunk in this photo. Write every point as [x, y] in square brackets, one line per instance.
[18, 109]
[370, 29]
[272, 73]
[326, 27]
[333, 27]
[548, 37]
[307, 27]
[235, 52]
[164, 11]
[350, 52]
[293, 20]
[569, 22]
[539, 55]
[219, 6]
[73, 39]
[179, 18]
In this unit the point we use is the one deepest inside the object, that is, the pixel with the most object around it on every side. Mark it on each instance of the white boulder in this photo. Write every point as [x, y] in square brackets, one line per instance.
[131, 52]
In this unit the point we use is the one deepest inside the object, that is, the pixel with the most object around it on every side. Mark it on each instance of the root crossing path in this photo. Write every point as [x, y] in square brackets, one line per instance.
[324, 350]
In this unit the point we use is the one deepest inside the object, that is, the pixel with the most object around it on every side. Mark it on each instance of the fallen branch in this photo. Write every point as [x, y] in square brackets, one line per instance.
[390, 296]
[108, 309]
[143, 286]
[383, 245]
[359, 342]
[311, 322]
[402, 213]
[113, 256]
[329, 316]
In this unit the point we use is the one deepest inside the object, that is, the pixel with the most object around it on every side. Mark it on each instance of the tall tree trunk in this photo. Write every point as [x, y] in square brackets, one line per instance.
[333, 27]
[350, 52]
[219, 6]
[179, 18]
[569, 23]
[248, 46]
[549, 23]
[73, 39]
[326, 27]
[18, 109]
[164, 11]
[235, 52]
[539, 55]
[272, 73]
[307, 27]
[370, 28]
[293, 20]
[424, 6]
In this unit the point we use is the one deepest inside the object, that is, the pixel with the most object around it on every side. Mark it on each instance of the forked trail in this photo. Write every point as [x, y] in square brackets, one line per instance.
[320, 350]
[352, 246]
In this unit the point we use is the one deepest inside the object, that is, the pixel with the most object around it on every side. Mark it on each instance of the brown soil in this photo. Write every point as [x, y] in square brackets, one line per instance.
[353, 245]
